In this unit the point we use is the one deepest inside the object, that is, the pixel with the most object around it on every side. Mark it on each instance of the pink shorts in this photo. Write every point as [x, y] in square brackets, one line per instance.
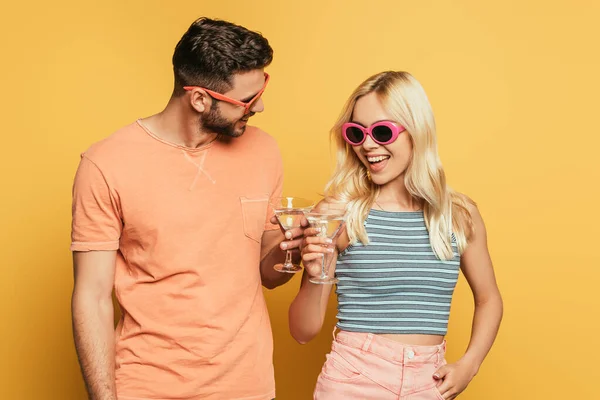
[367, 366]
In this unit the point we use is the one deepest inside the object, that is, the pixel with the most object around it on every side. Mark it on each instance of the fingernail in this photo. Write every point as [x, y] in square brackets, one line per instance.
[283, 246]
[329, 240]
[330, 250]
[288, 235]
[436, 376]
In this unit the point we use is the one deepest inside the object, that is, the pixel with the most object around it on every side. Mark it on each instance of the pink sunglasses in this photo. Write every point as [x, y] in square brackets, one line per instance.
[383, 132]
[218, 96]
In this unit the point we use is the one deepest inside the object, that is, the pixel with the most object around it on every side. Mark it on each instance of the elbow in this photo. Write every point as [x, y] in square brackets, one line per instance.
[497, 299]
[78, 301]
[271, 284]
[85, 302]
[302, 337]
[303, 331]
[268, 285]
[500, 305]
[491, 301]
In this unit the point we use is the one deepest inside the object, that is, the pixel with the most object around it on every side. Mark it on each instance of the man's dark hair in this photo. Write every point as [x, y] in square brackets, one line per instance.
[211, 51]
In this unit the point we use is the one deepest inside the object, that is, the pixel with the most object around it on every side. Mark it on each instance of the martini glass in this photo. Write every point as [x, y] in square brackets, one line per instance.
[330, 223]
[289, 212]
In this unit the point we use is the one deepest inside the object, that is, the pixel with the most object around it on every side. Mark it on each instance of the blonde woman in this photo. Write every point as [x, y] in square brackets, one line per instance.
[398, 258]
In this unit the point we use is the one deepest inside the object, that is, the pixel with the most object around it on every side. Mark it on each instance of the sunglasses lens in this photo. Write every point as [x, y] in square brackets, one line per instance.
[354, 134]
[382, 134]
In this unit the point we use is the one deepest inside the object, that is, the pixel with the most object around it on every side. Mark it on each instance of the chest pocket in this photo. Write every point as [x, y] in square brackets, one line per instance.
[254, 213]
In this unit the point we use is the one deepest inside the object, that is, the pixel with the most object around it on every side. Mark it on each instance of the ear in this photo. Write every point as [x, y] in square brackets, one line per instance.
[200, 100]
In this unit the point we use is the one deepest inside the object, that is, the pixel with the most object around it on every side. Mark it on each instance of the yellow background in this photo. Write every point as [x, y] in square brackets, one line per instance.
[515, 88]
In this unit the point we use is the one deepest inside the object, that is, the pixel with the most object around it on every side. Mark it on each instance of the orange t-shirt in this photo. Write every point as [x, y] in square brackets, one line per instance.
[187, 226]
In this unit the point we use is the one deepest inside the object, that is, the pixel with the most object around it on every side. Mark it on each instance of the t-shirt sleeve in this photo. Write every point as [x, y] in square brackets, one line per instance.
[96, 223]
[277, 190]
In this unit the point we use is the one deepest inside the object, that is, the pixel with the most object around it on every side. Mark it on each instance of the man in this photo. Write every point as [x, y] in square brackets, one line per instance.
[173, 211]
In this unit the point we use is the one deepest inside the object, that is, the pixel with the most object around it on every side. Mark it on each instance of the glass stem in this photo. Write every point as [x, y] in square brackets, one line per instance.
[288, 259]
[326, 259]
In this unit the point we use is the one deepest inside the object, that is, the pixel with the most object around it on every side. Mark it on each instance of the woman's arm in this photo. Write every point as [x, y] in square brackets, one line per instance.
[307, 311]
[476, 265]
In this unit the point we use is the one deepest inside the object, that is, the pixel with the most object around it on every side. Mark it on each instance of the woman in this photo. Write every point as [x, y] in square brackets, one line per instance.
[398, 258]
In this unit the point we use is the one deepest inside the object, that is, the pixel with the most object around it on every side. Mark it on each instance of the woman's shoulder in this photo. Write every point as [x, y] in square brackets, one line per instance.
[461, 200]
[466, 215]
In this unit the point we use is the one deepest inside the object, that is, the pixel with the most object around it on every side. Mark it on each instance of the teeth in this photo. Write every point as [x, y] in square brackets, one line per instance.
[377, 159]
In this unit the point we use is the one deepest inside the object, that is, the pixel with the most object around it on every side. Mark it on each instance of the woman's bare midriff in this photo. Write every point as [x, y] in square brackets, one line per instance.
[415, 340]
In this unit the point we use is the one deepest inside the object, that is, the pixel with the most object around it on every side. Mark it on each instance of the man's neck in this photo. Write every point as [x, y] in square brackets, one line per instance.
[176, 126]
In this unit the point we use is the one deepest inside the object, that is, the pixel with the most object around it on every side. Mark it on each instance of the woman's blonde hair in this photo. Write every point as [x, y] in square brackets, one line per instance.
[445, 210]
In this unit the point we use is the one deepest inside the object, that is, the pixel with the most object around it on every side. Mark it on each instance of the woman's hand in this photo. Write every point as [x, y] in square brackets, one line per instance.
[454, 378]
[314, 249]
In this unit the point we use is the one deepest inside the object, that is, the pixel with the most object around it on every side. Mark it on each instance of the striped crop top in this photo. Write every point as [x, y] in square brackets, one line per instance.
[395, 284]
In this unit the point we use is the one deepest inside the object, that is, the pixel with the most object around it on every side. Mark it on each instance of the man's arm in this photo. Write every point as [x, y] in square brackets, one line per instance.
[93, 321]
[273, 248]
[271, 254]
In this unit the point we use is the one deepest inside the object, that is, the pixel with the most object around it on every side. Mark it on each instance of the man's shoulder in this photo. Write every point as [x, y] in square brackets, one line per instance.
[257, 135]
[112, 147]
[258, 143]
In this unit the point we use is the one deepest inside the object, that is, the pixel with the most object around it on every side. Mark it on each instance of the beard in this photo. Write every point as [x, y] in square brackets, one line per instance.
[225, 128]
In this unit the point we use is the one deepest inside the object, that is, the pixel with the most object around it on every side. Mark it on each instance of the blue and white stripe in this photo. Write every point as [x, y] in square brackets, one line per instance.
[396, 283]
